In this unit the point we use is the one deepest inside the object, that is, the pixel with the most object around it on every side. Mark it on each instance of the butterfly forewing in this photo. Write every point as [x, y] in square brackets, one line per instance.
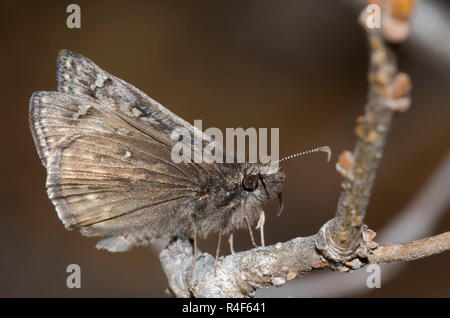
[110, 175]
[107, 149]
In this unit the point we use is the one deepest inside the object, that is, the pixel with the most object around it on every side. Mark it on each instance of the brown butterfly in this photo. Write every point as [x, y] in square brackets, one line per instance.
[107, 150]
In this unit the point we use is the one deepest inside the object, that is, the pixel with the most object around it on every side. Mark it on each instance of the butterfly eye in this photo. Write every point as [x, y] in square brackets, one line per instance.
[250, 182]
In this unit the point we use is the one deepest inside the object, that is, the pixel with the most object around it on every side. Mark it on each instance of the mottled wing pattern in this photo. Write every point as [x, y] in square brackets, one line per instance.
[80, 76]
[106, 147]
[107, 177]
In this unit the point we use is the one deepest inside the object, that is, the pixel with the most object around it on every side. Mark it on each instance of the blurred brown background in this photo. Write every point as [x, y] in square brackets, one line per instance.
[297, 65]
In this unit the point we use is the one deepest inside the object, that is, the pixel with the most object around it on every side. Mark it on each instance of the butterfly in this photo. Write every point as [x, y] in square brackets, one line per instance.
[107, 146]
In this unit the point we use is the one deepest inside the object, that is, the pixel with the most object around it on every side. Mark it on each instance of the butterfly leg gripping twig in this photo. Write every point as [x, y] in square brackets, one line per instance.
[260, 226]
[230, 241]
[194, 260]
[251, 232]
[218, 250]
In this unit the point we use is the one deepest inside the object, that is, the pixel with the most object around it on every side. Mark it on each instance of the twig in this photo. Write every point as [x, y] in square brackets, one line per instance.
[388, 93]
[239, 274]
[412, 250]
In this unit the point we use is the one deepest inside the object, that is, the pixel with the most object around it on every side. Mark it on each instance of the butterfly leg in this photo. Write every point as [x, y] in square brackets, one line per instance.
[230, 241]
[251, 232]
[194, 260]
[218, 251]
[260, 226]
[280, 200]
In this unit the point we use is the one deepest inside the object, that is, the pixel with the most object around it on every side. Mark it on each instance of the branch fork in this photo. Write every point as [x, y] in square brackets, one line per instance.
[340, 258]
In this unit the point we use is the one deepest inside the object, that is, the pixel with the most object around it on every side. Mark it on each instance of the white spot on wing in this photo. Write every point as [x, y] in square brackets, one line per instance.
[122, 131]
[136, 112]
[91, 196]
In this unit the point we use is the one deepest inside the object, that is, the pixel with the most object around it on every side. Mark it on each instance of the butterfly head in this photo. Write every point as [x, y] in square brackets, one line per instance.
[263, 181]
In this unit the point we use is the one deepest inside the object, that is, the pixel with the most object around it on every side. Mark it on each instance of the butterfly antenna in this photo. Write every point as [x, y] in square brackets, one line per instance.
[323, 149]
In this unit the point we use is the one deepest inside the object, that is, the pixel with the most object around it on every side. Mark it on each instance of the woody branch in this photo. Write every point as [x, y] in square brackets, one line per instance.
[343, 243]
[340, 239]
